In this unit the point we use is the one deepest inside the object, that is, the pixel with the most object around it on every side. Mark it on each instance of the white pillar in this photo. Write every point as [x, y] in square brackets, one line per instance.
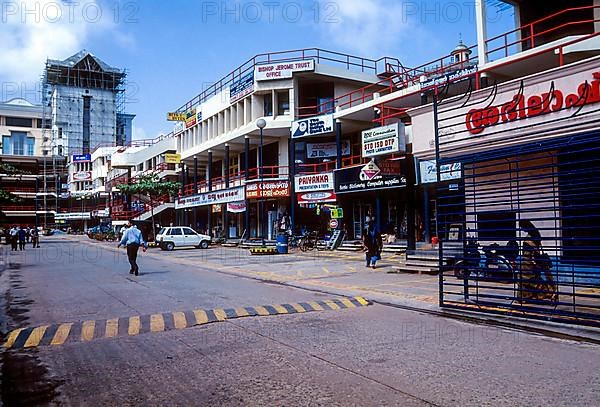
[480, 16]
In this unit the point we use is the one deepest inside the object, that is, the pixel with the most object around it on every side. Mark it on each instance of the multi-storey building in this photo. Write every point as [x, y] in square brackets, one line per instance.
[84, 101]
[21, 128]
[37, 179]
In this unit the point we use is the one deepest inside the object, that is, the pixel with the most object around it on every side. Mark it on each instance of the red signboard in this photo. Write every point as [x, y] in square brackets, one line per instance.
[268, 189]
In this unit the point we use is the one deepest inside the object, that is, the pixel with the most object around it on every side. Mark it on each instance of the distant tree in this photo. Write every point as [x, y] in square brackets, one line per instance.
[151, 186]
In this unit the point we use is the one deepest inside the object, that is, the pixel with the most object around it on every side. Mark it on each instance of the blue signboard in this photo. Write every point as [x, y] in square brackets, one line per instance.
[242, 87]
[82, 158]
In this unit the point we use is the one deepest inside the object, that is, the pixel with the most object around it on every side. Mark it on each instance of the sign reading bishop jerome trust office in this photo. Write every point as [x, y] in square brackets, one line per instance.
[370, 177]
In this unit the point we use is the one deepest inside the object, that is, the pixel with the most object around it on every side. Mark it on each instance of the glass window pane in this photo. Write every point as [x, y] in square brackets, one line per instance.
[6, 145]
[30, 145]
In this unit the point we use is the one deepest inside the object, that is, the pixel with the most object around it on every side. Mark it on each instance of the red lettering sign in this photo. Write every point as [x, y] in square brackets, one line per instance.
[477, 120]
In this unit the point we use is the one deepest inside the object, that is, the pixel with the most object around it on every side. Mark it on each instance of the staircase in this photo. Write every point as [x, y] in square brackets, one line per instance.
[419, 262]
[157, 209]
[335, 241]
[351, 246]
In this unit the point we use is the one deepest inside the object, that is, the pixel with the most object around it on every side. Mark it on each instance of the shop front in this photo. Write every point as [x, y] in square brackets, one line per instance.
[268, 203]
[375, 192]
[315, 196]
[528, 154]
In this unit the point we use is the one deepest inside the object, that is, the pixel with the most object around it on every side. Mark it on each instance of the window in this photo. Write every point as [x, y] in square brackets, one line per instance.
[268, 105]
[6, 145]
[325, 104]
[283, 103]
[19, 122]
[30, 146]
[18, 144]
[175, 231]
[188, 231]
[60, 132]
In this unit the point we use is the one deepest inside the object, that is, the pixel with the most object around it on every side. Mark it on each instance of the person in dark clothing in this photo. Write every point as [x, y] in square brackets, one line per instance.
[22, 234]
[373, 244]
[132, 239]
[35, 238]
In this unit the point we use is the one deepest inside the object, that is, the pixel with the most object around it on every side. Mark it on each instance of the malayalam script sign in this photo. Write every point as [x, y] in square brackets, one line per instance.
[314, 182]
[282, 70]
[383, 140]
[211, 198]
[354, 179]
[268, 189]
[324, 150]
[312, 126]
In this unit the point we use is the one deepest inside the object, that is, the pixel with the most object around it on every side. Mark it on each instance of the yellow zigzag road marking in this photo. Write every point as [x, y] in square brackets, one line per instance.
[85, 331]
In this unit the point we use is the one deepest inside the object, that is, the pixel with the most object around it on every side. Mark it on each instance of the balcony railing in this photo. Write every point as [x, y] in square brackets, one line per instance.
[536, 35]
[350, 62]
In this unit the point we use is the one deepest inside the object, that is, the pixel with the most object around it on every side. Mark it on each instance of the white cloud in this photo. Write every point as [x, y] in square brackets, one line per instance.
[369, 27]
[33, 30]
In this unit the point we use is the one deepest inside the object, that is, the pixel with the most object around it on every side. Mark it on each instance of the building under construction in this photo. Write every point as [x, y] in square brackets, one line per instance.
[84, 104]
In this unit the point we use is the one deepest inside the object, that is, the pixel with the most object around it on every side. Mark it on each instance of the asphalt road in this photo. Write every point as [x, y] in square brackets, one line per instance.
[361, 355]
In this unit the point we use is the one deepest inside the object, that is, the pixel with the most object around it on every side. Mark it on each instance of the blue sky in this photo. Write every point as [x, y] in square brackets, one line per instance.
[173, 49]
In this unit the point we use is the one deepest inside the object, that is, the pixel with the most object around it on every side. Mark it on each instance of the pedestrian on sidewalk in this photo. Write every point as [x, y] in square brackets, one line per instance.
[132, 240]
[14, 238]
[373, 244]
[35, 238]
[22, 234]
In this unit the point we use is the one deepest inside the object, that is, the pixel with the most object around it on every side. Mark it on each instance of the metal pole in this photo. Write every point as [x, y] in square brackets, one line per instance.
[246, 176]
[262, 196]
[195, 191]
[209, 176]
[292, 164]
[225, 213]
[436, 133]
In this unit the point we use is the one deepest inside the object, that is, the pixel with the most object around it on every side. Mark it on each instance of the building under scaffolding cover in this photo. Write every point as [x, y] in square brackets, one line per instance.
[84, 103]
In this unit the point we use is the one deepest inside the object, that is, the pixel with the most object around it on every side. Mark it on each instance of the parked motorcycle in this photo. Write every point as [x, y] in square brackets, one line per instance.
[492, 261]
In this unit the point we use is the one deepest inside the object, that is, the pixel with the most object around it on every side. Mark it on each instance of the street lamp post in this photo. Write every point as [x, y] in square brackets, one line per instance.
[261, 123]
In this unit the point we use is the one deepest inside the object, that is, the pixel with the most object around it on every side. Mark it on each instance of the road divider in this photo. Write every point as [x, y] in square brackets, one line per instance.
[84, 331]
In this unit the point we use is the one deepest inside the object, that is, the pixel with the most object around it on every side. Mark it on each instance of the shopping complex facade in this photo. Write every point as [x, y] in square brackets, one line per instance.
[470, 146]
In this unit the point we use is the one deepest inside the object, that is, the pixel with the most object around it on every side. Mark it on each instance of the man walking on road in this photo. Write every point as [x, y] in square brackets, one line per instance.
[22, 234]
[132, 239]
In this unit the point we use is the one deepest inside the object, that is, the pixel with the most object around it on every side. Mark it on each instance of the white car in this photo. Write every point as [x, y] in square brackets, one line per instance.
[180, 236]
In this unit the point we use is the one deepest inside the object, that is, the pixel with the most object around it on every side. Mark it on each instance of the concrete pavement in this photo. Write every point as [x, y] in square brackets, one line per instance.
[374, 355]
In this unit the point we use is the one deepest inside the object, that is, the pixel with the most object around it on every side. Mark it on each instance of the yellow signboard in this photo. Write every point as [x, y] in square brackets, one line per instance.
[176, 117]
[172, 158]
